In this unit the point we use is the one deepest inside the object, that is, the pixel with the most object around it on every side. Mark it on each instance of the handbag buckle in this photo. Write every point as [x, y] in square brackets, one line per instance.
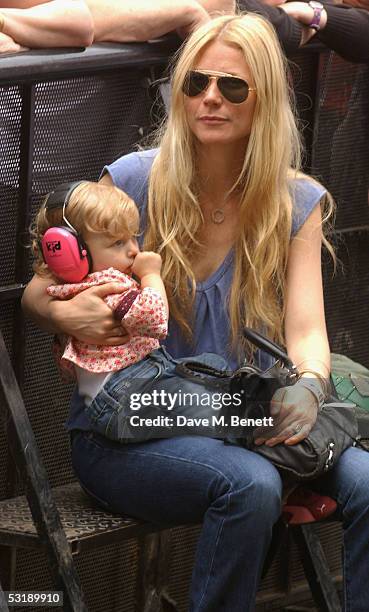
[330, 457]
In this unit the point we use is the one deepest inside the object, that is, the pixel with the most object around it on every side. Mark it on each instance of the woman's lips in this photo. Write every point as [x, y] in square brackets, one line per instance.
[212, 119]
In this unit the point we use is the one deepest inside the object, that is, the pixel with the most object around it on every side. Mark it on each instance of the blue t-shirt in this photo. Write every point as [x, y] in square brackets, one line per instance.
[211, 321]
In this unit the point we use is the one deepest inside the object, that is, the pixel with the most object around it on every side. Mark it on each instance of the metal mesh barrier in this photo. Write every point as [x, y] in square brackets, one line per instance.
[83, 123]
[46, 405]
[303, 70]
[347, 297]
[107, 574]
[10, 105]
[341, 162]
[79, 125]
[341, 129]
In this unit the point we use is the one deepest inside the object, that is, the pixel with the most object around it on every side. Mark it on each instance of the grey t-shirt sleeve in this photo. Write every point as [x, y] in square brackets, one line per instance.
[306, 195]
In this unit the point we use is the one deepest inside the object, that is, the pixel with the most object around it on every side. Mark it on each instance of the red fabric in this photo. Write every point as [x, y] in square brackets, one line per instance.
[306, 506]
[125, 303]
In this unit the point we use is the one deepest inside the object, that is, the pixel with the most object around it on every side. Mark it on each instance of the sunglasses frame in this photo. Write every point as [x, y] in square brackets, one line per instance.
[214, 74]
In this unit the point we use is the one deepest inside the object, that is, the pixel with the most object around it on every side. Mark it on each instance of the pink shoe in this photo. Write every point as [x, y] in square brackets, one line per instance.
[305, 506]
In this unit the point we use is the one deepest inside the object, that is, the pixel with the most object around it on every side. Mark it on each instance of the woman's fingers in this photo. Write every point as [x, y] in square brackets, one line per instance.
[264, 435]
[117, 337]
[294, 414]
[89, 319]
[116, 340]
[291, 435]
[107, 288]
[295, 438]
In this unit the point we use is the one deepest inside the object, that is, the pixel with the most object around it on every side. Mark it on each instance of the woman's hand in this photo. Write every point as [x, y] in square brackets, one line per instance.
[55, 23]
[196, 17]
[302, 12]
[88, 318]
[294, 410]
[8, 45]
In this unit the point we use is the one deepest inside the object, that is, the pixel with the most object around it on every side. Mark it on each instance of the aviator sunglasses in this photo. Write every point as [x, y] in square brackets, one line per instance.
[234, 89]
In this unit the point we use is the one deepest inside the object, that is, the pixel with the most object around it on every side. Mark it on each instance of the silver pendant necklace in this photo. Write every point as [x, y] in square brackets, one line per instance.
[217, 215]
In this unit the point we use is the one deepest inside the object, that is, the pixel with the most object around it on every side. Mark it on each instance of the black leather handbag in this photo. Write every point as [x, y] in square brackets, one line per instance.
[334, 431]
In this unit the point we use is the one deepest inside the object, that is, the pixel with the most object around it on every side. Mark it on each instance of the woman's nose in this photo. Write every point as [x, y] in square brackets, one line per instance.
[212, 93]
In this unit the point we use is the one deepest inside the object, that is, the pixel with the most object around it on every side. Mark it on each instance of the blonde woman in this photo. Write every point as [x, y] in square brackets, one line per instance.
[240, 235]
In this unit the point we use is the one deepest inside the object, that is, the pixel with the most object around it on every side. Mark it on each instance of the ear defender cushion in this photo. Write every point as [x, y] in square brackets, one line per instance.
[65, 254]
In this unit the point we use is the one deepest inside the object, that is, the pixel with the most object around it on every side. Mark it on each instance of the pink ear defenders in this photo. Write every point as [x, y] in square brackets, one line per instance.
[63, 249]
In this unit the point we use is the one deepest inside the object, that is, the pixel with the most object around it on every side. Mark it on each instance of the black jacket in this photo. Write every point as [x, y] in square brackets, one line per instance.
[346, 32]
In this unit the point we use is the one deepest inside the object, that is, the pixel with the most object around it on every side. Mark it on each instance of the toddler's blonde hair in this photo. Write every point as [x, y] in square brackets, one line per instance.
[92, 207]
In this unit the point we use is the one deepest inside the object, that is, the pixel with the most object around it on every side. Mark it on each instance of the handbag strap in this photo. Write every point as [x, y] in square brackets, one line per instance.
[270, 347]
[195, 368]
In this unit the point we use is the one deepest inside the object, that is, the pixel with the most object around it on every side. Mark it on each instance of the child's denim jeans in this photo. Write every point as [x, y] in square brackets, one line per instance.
[151, 400]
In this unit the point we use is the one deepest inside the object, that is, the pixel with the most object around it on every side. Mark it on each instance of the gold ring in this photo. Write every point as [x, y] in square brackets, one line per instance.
[297, 428]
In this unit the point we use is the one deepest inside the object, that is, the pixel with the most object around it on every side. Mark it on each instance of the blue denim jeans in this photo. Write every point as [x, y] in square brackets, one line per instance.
[119, 403]
[236, 494]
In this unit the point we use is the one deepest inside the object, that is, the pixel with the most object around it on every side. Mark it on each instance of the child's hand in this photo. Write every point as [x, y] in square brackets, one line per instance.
[147, 266]
[146, 262]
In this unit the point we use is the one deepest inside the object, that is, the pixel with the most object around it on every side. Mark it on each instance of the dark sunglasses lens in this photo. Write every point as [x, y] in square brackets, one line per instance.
[195, 83]
[234, 90]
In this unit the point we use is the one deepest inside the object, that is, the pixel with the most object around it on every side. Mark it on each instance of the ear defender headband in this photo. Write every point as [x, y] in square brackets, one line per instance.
[63, 249]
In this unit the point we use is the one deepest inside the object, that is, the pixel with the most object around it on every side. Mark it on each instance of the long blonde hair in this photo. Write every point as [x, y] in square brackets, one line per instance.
[272, 157]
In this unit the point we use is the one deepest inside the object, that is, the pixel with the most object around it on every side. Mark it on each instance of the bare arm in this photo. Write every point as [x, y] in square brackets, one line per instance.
[305, 328]
[302, 12]
[342, 28]
[291, 33]
[147, 266]
[295, 408]
[22, 4]
[141, 20]
[59, 23]
[214, 7]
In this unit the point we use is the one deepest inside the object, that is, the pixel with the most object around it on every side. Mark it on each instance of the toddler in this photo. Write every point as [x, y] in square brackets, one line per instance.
[117, 381]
